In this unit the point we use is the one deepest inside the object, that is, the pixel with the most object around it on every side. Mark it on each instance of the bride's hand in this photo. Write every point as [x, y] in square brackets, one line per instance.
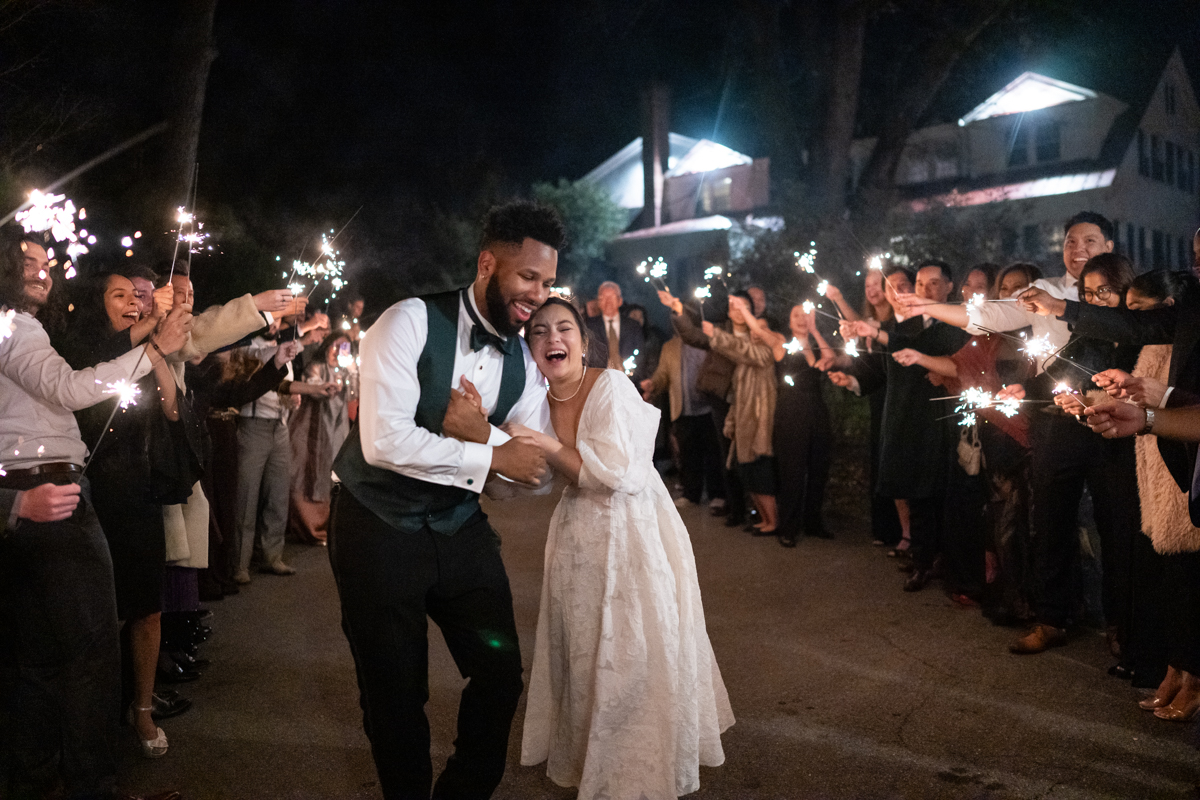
[515, 429]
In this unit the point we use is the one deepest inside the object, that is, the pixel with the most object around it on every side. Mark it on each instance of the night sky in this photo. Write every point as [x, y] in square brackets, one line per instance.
[317, 107]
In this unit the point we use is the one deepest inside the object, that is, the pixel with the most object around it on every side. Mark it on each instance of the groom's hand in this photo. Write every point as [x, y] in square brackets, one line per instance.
[464, 420]
[521, 460]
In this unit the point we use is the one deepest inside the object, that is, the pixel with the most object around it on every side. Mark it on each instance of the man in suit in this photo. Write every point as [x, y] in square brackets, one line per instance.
[614, 326]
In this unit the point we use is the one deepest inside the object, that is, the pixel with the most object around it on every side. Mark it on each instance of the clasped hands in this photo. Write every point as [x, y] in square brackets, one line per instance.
[520, 459]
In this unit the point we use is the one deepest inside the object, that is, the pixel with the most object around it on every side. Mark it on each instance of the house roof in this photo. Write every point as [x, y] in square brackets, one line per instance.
[1029, 92]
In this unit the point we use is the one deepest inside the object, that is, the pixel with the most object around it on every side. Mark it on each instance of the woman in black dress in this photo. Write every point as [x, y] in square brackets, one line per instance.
[802, 434]
[106, 324]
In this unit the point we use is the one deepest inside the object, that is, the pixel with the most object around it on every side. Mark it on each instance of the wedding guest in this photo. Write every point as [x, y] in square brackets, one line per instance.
[700, 463]
[124, 432]
[748, 424]
[714, 382]
[802, 433]
[614, 334]
[60, 681]
[317, 429]
[889, 518]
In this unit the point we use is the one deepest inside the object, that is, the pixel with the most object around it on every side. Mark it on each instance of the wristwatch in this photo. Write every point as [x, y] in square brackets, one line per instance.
[1149, 422]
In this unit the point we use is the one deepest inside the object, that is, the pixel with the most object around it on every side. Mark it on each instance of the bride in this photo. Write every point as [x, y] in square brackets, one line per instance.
[625, 698]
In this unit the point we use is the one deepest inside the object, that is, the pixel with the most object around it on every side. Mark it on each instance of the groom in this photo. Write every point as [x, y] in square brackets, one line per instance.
[407, 538]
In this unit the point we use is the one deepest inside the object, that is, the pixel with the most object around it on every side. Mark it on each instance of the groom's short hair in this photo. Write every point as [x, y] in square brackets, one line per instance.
[518, 220]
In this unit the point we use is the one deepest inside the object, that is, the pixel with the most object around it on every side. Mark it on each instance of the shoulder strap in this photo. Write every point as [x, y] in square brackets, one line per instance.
[434, 369]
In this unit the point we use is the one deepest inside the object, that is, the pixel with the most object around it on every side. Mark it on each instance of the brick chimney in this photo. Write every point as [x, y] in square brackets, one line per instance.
[656, 150]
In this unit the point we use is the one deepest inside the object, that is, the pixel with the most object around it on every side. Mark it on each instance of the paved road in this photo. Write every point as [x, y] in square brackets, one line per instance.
[843, 686]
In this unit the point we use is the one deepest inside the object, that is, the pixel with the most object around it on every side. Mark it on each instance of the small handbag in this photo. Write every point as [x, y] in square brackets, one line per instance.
[970, 451]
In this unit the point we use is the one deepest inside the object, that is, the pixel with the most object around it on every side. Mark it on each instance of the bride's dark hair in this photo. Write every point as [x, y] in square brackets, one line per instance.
[579, 323]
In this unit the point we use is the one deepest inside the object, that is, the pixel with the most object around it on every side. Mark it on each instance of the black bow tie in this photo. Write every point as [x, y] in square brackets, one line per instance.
[481, 337]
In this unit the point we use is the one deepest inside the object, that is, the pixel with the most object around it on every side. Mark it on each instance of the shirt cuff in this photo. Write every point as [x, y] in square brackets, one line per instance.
[477, 460]
[497, 437]
[1163, 403]
[974, 320]
[269, 317]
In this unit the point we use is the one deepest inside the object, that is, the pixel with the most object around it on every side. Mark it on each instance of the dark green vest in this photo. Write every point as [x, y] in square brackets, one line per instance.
[409, 503]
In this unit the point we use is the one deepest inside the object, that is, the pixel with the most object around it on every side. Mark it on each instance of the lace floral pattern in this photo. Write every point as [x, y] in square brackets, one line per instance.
[625, 697]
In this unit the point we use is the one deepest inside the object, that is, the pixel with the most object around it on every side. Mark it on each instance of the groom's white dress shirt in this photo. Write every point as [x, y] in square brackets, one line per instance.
[389, 391]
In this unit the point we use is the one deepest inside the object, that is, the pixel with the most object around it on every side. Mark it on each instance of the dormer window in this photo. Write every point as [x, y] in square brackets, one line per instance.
[1048, 142]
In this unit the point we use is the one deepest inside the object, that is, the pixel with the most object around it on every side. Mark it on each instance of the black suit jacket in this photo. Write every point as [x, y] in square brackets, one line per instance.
[1177, 325]
[633, 337]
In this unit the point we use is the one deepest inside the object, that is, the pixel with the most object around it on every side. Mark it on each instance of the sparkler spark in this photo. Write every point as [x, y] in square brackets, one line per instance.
[875, 263]
[127, 393]
[852, 348]
[978, 299]
[794, 346]
[808, 306]
[822, 287]
[1038, 347]
[344, 360]
[713, 273]
[788, 380]
[1062, 387]
[654, 272]
[630, 364]
[703, 293]
[327, 266]
[56, 214]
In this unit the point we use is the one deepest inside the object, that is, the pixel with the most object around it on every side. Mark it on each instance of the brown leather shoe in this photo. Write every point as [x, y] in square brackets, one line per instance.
[1041, 637]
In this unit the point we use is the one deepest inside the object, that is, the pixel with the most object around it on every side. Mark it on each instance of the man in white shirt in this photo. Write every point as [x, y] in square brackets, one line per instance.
[59, 654]
[407, 539]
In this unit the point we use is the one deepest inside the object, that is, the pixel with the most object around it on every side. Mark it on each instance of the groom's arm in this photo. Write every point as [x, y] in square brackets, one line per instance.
[388, 396]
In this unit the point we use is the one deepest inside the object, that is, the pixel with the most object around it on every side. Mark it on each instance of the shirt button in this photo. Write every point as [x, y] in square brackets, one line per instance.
[470, 481]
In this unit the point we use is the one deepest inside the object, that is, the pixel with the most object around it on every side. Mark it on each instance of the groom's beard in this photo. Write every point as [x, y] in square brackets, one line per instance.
[498, 310]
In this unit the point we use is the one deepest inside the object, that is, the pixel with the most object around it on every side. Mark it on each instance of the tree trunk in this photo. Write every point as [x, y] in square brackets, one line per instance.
[193, 52]
[875, 192]
[831, 150]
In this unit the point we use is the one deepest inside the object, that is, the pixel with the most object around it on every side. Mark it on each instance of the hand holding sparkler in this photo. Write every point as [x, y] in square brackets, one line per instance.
[1144, 391]
[707, 328]
[164, 301]
[909, 357]
[841, 379]
[172, 333]
[867, 329]
[49, 502]
[670, 301]
[1069, 402]
[287, 352]
[1116, 420]
[1013, 391]
[1040, 302]
[274, 301]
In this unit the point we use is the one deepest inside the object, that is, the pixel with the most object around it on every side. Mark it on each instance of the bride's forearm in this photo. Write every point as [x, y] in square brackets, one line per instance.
[561, 458]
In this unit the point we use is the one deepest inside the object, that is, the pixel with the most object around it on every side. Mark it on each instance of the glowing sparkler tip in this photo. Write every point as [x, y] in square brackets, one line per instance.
[703, 293]
[808, 306]
[822, 288]
[788, 380]
[127, 393]
[1062, 388]
[875, 263]
[852, 348]
[712, 273]
[794, 346]
[978, 299]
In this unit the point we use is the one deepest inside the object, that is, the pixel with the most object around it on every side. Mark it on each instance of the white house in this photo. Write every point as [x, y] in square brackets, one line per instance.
[1053, 148]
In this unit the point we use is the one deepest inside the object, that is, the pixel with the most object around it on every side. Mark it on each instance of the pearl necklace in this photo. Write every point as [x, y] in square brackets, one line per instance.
[577, 388]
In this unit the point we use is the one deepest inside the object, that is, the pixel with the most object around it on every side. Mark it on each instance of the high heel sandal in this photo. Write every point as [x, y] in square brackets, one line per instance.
[1152, 703]
[151, 748]
[1172, 714]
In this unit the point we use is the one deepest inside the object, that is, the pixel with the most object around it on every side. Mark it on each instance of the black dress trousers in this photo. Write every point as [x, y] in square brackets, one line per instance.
[389, 582]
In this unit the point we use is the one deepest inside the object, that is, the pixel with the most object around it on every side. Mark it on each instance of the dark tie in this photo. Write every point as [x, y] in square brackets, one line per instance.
[481, 337]
[614, 348]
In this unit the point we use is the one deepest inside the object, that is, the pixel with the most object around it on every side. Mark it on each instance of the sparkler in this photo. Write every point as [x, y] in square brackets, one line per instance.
[654, 273]
[788, 380]
[56, 214]
[794, 346]
[1062, 387]
[806, 261]
[975, 399]
[822, 287]
[127, 393]
[703, 293]
[875, 263]
[809, 306]
[630, 364]
[852, 348]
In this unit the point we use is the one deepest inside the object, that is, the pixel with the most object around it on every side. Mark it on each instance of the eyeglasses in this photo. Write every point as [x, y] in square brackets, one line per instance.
[1100, 294]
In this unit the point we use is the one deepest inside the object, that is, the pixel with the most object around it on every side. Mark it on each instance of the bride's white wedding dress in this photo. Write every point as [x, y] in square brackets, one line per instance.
[625, 698]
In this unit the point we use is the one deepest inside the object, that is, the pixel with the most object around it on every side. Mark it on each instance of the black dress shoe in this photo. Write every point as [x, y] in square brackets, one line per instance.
[918, 580]
[1121, 671]
[170, 672]
[188, 661]
[165, 707]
